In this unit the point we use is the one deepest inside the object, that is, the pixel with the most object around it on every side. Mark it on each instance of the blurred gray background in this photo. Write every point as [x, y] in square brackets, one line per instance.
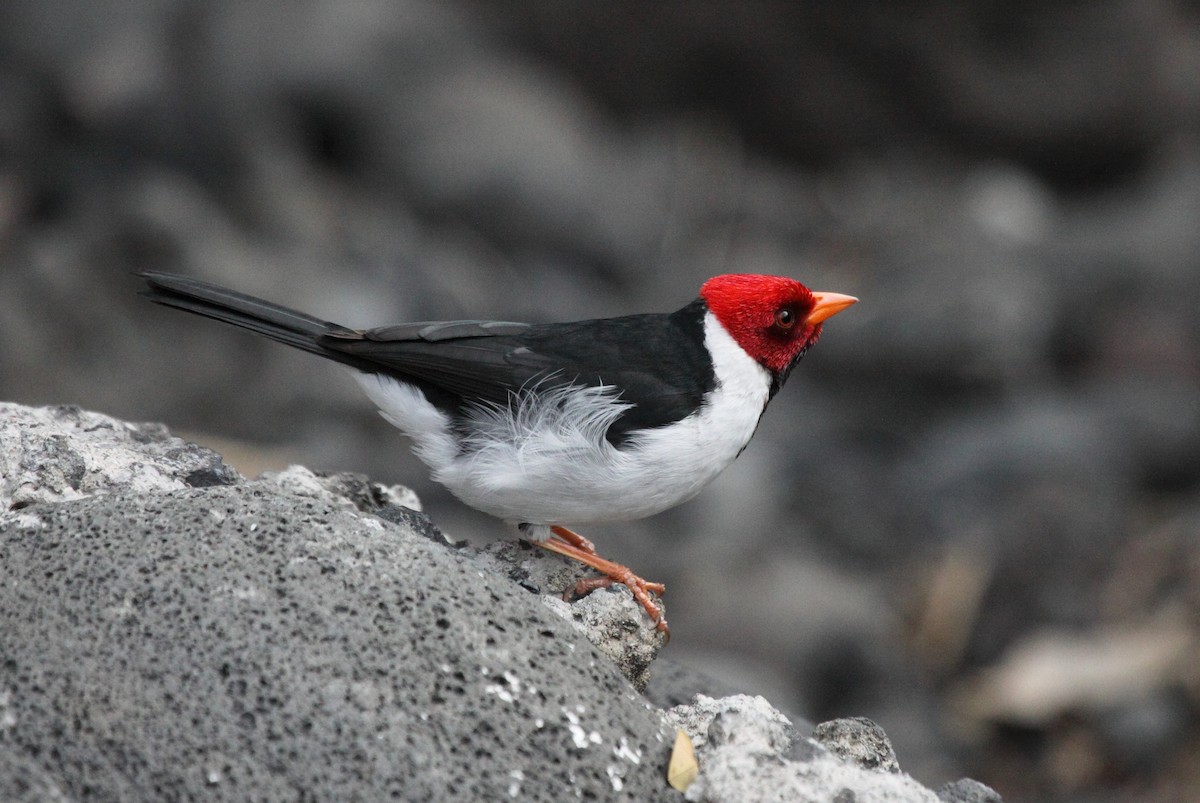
[974, 512]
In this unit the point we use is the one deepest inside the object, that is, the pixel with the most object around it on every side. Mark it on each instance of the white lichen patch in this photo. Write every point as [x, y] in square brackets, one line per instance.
[23, 521]
[504, 694]
[7, 718]
[624, 751]
[580, 737]
[245, 593]
[122, 610]
[514, 788]
[508, 691]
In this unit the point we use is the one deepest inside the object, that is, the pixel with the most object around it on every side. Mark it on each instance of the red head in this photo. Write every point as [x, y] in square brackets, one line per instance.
[775, 319]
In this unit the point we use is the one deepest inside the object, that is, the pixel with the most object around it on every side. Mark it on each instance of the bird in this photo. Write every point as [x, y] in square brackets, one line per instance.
[546, 425]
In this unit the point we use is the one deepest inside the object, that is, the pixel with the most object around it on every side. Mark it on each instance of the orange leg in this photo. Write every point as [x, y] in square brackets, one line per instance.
[574, 546]
[573, 538]
[585, 587]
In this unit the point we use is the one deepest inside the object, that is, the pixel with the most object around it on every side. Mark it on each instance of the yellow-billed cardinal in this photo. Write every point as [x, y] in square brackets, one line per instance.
[547, 424]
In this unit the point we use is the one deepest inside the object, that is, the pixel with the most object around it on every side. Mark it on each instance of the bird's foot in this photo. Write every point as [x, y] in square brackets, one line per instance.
[572, 545]
[589, 584]
[639, 587]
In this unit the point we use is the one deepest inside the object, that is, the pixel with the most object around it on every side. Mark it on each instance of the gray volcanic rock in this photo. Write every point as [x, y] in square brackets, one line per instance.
[966, 790]
[22, 779]
[298, 634]
[51, 454]
[749, 751]
[860, 740]
[231, 642]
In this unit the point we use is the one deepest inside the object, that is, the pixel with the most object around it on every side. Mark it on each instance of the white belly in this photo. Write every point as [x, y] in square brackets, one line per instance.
[545, 460]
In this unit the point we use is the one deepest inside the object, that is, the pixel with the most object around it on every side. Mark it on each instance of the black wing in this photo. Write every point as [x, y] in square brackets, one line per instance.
[658, 362]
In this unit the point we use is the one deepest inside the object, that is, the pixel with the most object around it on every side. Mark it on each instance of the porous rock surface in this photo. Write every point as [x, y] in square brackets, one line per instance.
[260, 640]
[170, 630]
[610, 619]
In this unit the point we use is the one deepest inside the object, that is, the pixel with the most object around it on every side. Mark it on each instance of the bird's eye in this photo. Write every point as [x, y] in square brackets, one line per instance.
[785, 318]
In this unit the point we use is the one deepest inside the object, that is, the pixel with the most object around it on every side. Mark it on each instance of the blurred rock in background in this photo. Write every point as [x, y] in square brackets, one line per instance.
[986, 475]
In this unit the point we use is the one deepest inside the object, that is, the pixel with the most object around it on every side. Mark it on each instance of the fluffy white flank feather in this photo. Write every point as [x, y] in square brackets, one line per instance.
[543, 459]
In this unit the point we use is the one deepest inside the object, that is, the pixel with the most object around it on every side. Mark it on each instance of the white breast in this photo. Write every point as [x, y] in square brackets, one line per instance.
[544, 459]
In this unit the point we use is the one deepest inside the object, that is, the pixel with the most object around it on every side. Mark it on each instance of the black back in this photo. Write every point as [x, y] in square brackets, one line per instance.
[657, 361]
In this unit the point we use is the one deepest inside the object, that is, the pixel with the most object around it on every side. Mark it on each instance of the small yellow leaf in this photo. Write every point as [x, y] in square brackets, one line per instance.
[682, 770]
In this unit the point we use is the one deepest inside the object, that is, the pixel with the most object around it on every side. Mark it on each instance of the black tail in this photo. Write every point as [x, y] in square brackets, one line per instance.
[246, 312]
